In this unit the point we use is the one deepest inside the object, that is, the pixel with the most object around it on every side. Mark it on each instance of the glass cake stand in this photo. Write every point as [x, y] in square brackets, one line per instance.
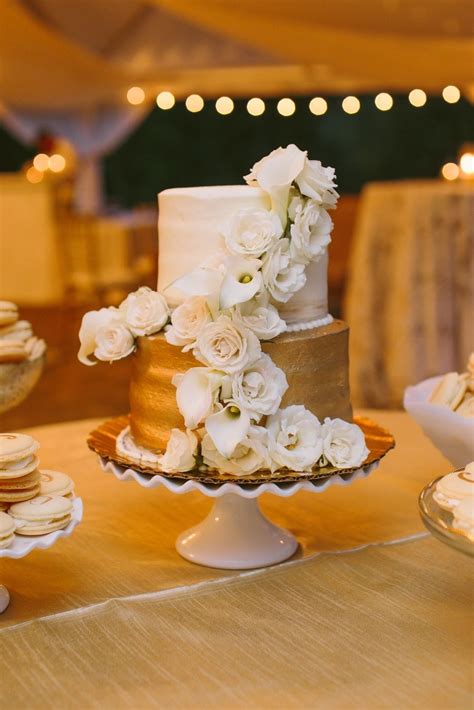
[235, 534]
[23, 545]
[439, 521]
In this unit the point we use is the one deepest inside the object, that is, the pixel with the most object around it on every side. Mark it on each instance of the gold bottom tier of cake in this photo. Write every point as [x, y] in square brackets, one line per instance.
[316, 363]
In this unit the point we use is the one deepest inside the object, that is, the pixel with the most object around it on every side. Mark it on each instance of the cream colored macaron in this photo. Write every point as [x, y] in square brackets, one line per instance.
[8, 312]
[463, 518]
[449, 391]
[21, 330]
[7, 529]
[14, 490]
[41, 515]
[454, 488]
[14, 447]
[56, 483]
[12, 351]
[18, 469]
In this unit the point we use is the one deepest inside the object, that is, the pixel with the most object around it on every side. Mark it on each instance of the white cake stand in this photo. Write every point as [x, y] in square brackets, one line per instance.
[235, 534]
[23, 545]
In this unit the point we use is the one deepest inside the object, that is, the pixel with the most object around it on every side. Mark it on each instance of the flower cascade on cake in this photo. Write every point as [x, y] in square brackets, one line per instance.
[230, 404]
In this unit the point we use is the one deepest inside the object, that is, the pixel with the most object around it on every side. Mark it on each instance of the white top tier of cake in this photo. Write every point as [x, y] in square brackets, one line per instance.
[189, 233]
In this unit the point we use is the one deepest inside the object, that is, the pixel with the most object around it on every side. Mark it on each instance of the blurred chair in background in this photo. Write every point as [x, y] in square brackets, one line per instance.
[410, 296]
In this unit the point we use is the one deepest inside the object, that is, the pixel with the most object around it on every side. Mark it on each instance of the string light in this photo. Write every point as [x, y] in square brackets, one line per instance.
[41, 162]
[194, 103]
[417, 98]
[450, 171]
[135, 95]
[451, 94]
[57, 163]
[318, 106]
[286, 107]
[33, 175]
[351, 104]
[255, 106]
[165, 100]
[383, 101]
[466, 163]
[224, 105]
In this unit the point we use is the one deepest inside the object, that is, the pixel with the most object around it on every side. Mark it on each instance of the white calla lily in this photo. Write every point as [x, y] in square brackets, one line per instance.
[196, 394]
[228, 428]
[242, 281]
[203, 281]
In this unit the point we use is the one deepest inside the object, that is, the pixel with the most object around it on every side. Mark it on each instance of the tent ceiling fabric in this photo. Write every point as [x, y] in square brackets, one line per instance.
[87, 53]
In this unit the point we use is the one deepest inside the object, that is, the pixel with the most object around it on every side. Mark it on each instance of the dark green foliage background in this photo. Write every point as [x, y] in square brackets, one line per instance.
[177, 148]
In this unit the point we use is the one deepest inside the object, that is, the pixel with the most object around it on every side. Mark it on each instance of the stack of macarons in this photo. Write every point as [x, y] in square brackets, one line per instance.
[455, 493]
[34, 501]
[456, 391]
[17, 340]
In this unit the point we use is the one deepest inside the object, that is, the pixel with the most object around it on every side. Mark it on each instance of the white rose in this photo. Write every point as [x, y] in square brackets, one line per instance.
[282, 276]
[113, 341]
[105, 325]
[144, 311]
[343, 443]
[249, 455]
[259, 388]
[317, 182]
[186, 322]
[227, 346]
[180, 454]
[310, 233]
[260, 317]
[197, 394]
[252, 232]
[243, 279]
[294, 438]
[275, 173]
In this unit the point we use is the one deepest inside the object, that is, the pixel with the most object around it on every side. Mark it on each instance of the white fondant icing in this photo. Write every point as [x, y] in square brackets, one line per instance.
[296, 327]
[189, 225]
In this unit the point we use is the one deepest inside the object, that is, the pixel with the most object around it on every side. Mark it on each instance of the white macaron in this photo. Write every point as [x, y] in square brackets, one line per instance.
[454, 488]
[14, 447]
[56, 483]
[7, 529]
[8, 313]
[463, 518]
[41, 515]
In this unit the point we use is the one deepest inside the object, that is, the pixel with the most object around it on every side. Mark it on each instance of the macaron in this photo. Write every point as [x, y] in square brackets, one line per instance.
[8, 312]
[12, 351]
[18, 469]
[454, 488]
[15, 490]
[466, 408]
[7, 529]
[14, 447]
[35, 347]
[55, 483]
[41, 515]
[449, 391]
[463, 518]
[21, 330]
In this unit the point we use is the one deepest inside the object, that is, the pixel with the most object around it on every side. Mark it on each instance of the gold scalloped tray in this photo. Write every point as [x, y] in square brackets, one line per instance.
[103, 439]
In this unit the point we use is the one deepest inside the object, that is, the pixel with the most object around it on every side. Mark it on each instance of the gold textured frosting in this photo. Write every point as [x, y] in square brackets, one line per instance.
[315, 361]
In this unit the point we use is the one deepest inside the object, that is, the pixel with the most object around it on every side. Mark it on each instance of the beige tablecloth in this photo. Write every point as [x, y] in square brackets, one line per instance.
[410, 297]
[113, 617]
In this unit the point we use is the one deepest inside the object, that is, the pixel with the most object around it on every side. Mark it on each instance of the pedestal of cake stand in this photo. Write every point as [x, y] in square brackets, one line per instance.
[236, 535]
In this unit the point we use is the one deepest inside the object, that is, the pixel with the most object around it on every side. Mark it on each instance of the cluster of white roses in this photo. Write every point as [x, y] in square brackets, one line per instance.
[109, 334]
[230, 306]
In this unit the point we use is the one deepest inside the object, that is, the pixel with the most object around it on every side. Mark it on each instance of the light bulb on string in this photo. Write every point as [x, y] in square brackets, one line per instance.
[194, 103]
[255, 106]
[165, 100]
[286, 107]
[318, 106]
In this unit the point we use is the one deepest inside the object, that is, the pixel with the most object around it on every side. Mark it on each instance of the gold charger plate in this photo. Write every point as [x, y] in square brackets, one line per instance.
[102, 440]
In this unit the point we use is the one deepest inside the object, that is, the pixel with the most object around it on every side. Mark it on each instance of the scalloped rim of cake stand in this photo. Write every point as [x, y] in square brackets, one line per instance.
[22, 546]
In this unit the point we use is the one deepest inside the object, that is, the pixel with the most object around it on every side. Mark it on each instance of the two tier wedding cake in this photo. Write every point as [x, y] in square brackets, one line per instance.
[237, 365]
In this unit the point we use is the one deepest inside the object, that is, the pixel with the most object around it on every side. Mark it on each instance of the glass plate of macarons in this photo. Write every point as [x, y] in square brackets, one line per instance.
[447, 509]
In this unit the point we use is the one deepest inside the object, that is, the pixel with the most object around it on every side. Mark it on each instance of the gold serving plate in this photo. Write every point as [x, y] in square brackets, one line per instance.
[103, 441]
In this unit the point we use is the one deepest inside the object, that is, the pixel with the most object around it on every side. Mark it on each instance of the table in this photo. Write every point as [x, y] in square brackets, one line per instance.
[410, 295]
[372, 612]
